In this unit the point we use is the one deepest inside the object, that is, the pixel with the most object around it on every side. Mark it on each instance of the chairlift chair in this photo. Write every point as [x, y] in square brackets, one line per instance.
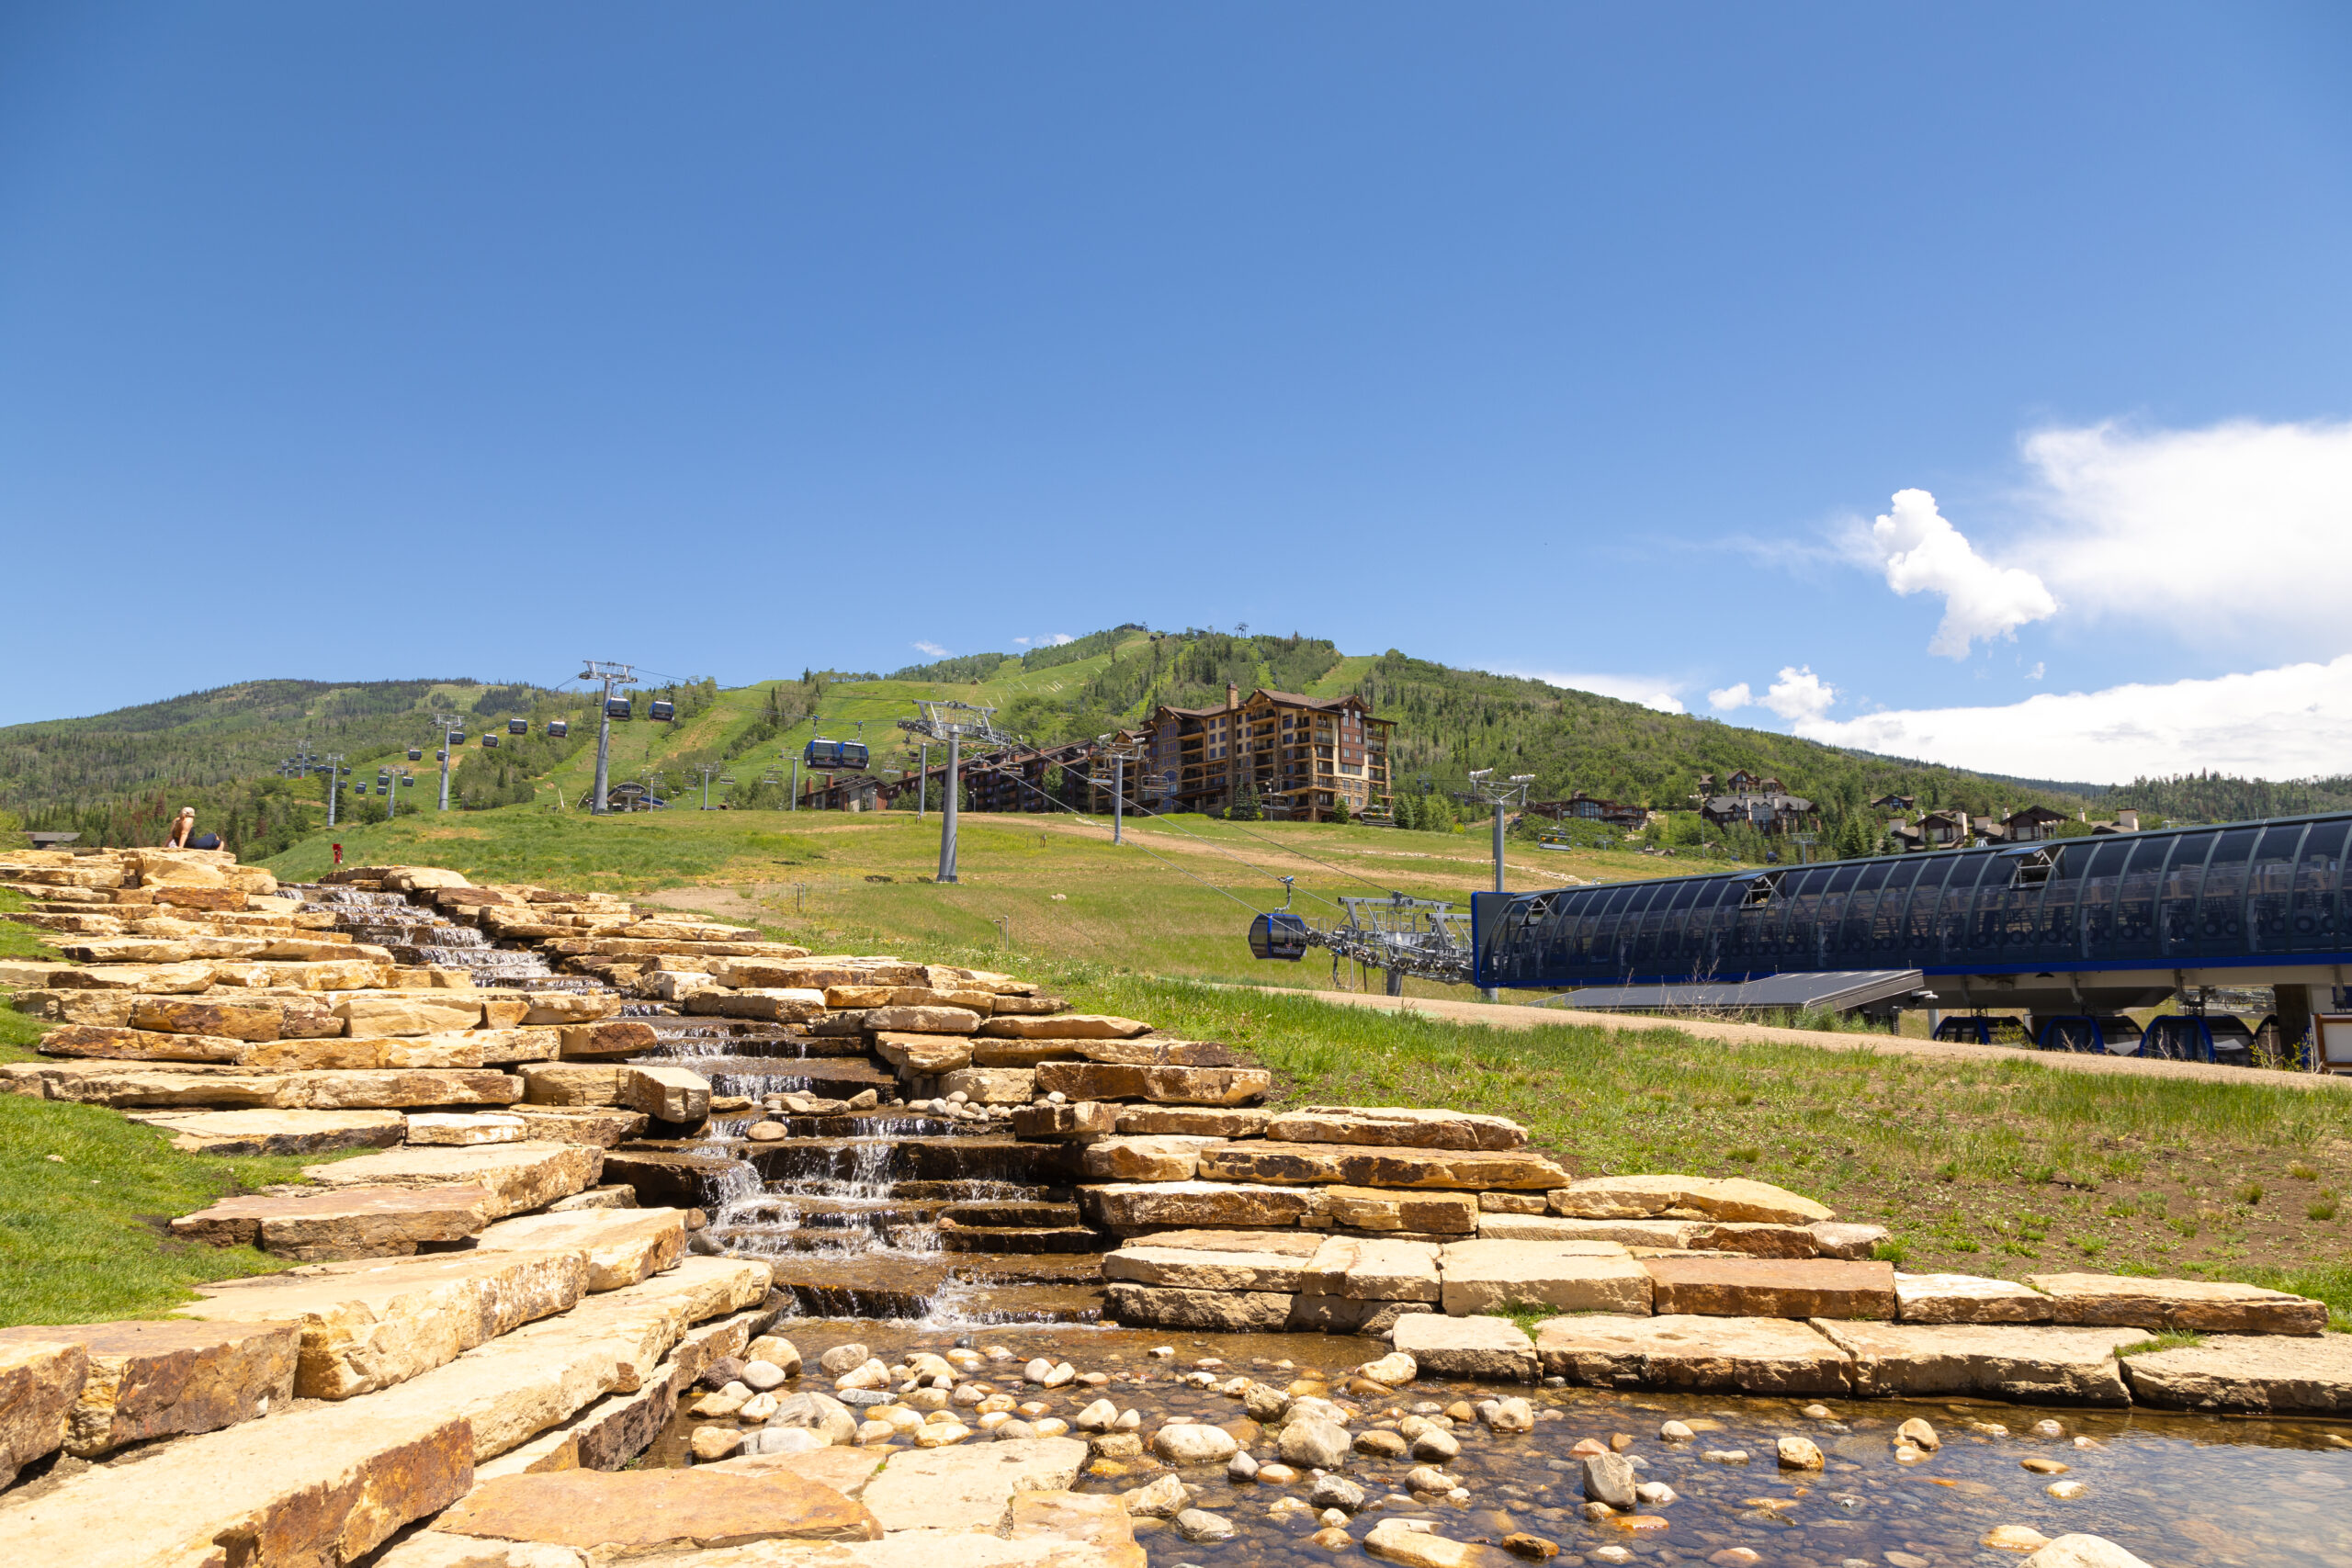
[518, 726]
[617, 708]
[558, 730]
[662, 711]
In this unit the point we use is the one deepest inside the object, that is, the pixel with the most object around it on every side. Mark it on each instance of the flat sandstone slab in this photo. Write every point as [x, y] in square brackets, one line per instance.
[1063, 1026]
[518, 1176]
[1771, 1287]
[1162, 1086]
[277, 1132]
[2030, 1363]
[624, 1246]
[1196, 1268]
[153, 1379]
[1967, 1298]
[1685, 1197]
[40, 1379]
[1195, 1121]
[1671, 1234]
[368, 1326]
[1481, 1348]
[1373, 1269]
[1147, 1205]
[1364, 1165]
[1573, 1276]
[1395, 1127]
[641, 1511]
[2257, 1373]
[321, 1486]
[2185, 1305]
[969, 1487]
[1747, 1355]
[1224, 1311]
[358, 1222]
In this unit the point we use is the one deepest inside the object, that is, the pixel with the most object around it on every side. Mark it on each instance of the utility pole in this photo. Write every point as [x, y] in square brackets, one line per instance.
[611, 675]
[954, 723]
[1503, 793]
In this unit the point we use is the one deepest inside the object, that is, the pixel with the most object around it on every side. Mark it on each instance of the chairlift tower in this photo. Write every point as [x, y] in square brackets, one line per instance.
[1121, 753]
[446, 725]
[1501, 794]
[332, 766]
[611, 675]
[954, 723]
[706, 770]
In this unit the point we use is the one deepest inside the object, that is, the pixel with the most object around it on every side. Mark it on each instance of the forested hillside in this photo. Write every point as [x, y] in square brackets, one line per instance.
[118, 777]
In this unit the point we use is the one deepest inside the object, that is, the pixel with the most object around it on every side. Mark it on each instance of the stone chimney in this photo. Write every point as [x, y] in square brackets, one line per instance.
[1232, 695]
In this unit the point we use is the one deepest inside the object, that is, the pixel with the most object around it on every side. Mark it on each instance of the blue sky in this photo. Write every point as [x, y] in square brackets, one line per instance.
[360, 341]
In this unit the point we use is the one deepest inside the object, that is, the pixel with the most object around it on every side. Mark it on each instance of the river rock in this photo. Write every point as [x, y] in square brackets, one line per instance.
[1685, 1197]
[821, 1413]
[1919, 1434]
[2082, 1551]
[1748, 1355]
[1314, 1443]
[1336, 1492]
[2182, 1305]
[1609, 1479]
[1200, 1525]
[1799, 1453]
[1481, 1350]
[1573, 1276]
[1162, 1499]
[1194, 1443]
[1396, 1540]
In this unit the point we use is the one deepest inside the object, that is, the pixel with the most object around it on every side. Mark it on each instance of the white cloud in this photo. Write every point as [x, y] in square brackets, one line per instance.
[1731, 697]
[933, 649]
[2236, 529]
[1800, 694]
[1021, 642]
[1921, 551]
[1055, 640]
[2295, 721]
[2038, 670]
[1650, 691]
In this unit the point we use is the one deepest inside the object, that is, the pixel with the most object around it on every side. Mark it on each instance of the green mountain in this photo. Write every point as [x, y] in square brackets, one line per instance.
[117, 777]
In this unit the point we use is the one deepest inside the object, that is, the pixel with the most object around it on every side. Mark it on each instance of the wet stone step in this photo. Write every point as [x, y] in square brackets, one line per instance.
[794, 1210]
[871, 1286]
[1012, 1211]
[1015, 1238]
[895, 1160]
[880, 1123]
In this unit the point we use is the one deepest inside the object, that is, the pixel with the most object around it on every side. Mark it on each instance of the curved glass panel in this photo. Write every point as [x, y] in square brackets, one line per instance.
[2270, 888]
[2313, 920]
[2218, 924]
[2095, 907]
[2135, 898]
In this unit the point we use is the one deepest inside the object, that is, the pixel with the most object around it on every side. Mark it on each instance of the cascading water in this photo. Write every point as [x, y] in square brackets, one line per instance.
[879, 1212]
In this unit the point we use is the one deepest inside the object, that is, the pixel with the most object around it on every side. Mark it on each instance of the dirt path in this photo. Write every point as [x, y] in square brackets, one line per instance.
[1505, 1016]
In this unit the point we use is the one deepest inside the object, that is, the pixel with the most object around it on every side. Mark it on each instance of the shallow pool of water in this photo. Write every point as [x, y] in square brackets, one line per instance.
[2174, 1489]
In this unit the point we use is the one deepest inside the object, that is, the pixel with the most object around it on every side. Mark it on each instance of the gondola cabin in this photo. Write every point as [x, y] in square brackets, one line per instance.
[457, 738]
[415, 754]
[558, 730]
[662, 711]
[828, 755]
[1279, 935]
[491, 741]
[518, 726]
[617, 708]
[440, 756]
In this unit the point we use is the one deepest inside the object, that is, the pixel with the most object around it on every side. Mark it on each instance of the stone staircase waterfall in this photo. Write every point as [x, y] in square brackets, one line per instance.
[877, 1213]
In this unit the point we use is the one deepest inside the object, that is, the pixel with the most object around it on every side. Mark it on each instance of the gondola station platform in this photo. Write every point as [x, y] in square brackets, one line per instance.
[604, 1155]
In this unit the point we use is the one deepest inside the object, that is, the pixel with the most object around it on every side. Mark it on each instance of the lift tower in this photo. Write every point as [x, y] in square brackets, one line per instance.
[611, 675]
[954, 723]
